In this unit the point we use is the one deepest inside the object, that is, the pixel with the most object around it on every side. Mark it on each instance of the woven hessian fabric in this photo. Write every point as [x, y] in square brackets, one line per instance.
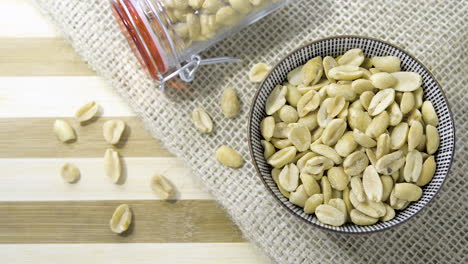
[435, 32]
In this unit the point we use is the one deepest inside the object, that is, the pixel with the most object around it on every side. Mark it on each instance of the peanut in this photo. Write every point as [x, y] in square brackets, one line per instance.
[229, 157]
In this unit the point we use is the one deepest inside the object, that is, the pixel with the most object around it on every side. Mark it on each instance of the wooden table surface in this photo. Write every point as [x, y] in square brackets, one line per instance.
[45, 220]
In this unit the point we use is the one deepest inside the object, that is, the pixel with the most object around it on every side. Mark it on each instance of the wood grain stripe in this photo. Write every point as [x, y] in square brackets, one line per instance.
[61, 96]
[39, 180]
[88, 222]
[147, 253]
[21, 18]
[34, 137]
[40, 57]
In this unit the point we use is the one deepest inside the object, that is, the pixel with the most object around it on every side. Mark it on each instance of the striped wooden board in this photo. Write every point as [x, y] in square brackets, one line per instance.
[45, 220]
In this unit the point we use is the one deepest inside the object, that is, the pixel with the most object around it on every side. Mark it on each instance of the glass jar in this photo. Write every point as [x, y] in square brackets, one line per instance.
[167, 35]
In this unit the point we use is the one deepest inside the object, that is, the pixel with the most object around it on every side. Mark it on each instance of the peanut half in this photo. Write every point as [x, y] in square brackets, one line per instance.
[289, 177]
[299, 136]
[229, 157]
[202, 120]
[112, 131]
[330, 215]
[383, 80]
[64, 131]
[121, 219]
[87, 112]
[112, 165]
[276, 99]
[162, 187]
[386, 63]
[299, 196]
[407, 81]
[372, 184]
[70, 173]
[230, 103]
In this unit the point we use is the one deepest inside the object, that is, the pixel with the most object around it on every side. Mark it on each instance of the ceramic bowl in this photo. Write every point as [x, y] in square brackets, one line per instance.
[335, 46]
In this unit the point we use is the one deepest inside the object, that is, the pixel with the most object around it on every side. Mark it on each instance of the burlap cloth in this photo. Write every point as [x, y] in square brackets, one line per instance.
[436, 32]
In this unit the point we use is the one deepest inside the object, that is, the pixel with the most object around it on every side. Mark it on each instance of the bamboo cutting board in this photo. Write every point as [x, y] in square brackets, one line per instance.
[45, 220]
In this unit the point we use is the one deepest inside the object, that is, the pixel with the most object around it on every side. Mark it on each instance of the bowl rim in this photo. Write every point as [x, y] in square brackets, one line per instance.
[249, 132]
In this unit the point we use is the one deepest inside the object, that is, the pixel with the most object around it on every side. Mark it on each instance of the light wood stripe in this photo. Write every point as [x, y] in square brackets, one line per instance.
[39, 180]
[57, 96]
[40, 57]
[34, 137]
[148, 253]
[21, 18]
[88, 222]
[31, 47]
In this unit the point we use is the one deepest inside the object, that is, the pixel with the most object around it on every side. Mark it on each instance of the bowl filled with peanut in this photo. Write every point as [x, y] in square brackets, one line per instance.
[351, 134]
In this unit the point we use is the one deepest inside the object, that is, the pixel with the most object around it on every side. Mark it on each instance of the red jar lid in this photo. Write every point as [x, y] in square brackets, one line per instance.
[134, 27]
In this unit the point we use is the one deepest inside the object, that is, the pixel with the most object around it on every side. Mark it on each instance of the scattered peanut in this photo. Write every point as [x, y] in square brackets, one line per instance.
[229, 157]
[230, 103]
[258, 72]
[70, 173]
[87, 112]
[112, 130]
[112, 165]
[162, 187]
[202, 121]
[64, 131]
[121, 219]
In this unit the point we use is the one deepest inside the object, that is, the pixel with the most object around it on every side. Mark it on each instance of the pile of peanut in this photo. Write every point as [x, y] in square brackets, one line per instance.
[350, 139]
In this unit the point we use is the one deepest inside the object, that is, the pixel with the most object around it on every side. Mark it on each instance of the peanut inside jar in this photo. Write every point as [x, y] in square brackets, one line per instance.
[195, 23]
[167, 35]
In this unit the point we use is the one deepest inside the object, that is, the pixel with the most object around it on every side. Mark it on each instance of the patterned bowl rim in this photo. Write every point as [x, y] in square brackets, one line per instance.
[251, 151]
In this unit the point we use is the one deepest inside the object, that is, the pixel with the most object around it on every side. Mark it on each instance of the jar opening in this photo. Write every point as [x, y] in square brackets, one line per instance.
[135, 30]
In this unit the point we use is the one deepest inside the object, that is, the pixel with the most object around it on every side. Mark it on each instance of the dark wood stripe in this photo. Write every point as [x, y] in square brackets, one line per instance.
[34, 137]
[40, 57]
[88, 222]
